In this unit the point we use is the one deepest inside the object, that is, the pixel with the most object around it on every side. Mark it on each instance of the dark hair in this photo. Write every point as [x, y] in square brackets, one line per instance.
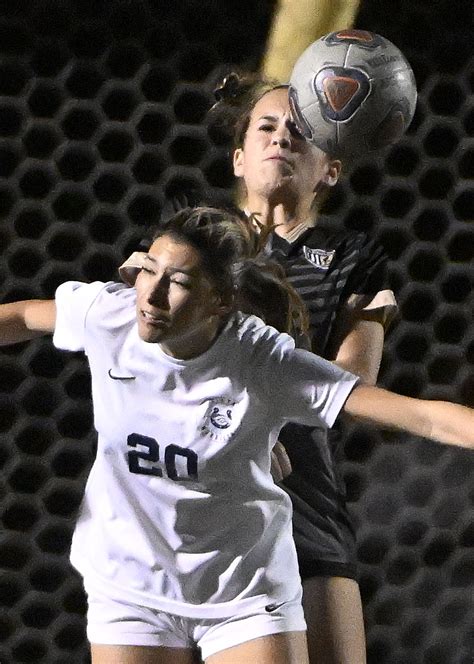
[228, 244]
[254, 95]
[222, 237]
[261, 288]
[236, 96]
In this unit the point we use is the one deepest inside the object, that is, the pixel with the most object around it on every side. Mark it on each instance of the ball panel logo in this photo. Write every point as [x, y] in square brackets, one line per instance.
[341, 91]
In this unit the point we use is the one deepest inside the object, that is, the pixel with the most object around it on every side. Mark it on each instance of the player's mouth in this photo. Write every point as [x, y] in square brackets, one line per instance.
[279, 157]
[157, 320]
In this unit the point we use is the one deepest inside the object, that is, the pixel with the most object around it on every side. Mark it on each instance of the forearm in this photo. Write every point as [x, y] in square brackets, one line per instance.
[450, 423]
[22, 321]
[441, 421]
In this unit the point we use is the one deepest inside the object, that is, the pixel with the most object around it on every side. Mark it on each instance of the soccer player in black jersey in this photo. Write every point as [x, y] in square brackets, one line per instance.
[340, 277]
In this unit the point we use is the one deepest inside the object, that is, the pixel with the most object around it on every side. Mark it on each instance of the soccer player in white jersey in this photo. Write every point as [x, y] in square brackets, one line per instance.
[184, 541]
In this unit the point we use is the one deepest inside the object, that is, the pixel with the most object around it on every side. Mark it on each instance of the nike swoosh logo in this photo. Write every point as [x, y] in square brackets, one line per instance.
[120, 377]
[270, 608]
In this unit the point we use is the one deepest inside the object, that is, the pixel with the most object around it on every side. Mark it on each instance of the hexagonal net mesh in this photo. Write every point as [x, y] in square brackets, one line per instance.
[101, 120]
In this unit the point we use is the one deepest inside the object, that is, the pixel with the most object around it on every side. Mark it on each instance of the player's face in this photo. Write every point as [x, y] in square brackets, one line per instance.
[275, 159]
[177, 305]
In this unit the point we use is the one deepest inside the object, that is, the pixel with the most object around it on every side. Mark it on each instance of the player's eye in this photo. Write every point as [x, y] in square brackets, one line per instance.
[182, 283]
[146, 270]
[266, 127]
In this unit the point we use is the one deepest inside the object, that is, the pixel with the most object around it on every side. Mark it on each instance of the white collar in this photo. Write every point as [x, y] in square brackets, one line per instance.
[297, 231]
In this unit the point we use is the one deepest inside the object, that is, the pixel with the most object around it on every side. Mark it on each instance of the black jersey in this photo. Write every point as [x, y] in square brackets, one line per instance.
[330, 270]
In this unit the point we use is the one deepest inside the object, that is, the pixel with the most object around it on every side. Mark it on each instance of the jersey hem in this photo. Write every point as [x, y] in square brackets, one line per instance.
[95, 582]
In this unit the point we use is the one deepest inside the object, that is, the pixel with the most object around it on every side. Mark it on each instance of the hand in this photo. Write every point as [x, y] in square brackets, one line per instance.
[281, 464]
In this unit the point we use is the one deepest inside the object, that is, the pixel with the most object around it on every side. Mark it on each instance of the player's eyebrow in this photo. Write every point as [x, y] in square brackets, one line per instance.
[189, 273]
[273, 118]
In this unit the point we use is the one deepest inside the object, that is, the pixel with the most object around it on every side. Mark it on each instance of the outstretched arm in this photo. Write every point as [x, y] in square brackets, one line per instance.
[21, 321]
[442, 421]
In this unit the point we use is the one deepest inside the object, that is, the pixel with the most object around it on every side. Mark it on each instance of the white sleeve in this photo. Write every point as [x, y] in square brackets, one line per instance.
[308, 389]
[73, 301]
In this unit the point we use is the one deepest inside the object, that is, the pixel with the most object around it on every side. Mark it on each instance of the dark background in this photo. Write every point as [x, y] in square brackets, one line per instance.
[102, 108]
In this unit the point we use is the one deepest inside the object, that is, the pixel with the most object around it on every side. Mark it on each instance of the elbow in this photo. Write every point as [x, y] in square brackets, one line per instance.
[368, 378]
[367, 375]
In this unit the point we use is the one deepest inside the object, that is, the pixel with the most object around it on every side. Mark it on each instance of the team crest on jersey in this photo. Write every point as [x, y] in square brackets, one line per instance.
[220, 420]
[318, 257]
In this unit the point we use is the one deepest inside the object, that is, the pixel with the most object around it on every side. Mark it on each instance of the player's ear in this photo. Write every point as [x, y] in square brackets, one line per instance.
[238, 161]
[220, 306]
[224, 309]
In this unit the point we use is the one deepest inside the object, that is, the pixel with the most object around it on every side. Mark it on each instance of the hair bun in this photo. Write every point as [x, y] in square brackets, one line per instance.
[229, 88]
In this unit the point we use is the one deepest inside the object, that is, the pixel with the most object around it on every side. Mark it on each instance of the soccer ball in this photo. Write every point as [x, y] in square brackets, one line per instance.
[352, 92]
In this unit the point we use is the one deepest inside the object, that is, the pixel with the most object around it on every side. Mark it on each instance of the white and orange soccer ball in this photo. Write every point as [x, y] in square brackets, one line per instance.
[352, 92]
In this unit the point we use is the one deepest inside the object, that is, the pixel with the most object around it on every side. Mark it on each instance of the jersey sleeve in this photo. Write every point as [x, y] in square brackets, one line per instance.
[367, 293]
[73, 302]
[301, 386]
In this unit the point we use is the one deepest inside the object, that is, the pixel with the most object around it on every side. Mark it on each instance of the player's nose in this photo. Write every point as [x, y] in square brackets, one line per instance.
[282, 139]
[282, 136]
[157, 296]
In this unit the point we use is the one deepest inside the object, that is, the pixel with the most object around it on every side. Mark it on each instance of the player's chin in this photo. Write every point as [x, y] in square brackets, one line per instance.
[150, 334]
[281, 182]
[285, 187]
[283, 171]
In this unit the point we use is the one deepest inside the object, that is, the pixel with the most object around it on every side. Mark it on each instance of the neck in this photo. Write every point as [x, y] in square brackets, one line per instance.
[282, 217]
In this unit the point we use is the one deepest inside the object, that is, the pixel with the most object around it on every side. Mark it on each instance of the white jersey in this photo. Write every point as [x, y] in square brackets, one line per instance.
[180, 512]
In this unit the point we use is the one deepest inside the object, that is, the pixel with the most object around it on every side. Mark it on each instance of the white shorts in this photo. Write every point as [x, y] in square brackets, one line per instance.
[117, 623]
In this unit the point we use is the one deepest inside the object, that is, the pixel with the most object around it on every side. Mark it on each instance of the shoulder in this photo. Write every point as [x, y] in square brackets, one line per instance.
[114, 306]
[253, 335]
[328, 236]
[116, 294]
[92, 290]
[82, 309]
[100, 301]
